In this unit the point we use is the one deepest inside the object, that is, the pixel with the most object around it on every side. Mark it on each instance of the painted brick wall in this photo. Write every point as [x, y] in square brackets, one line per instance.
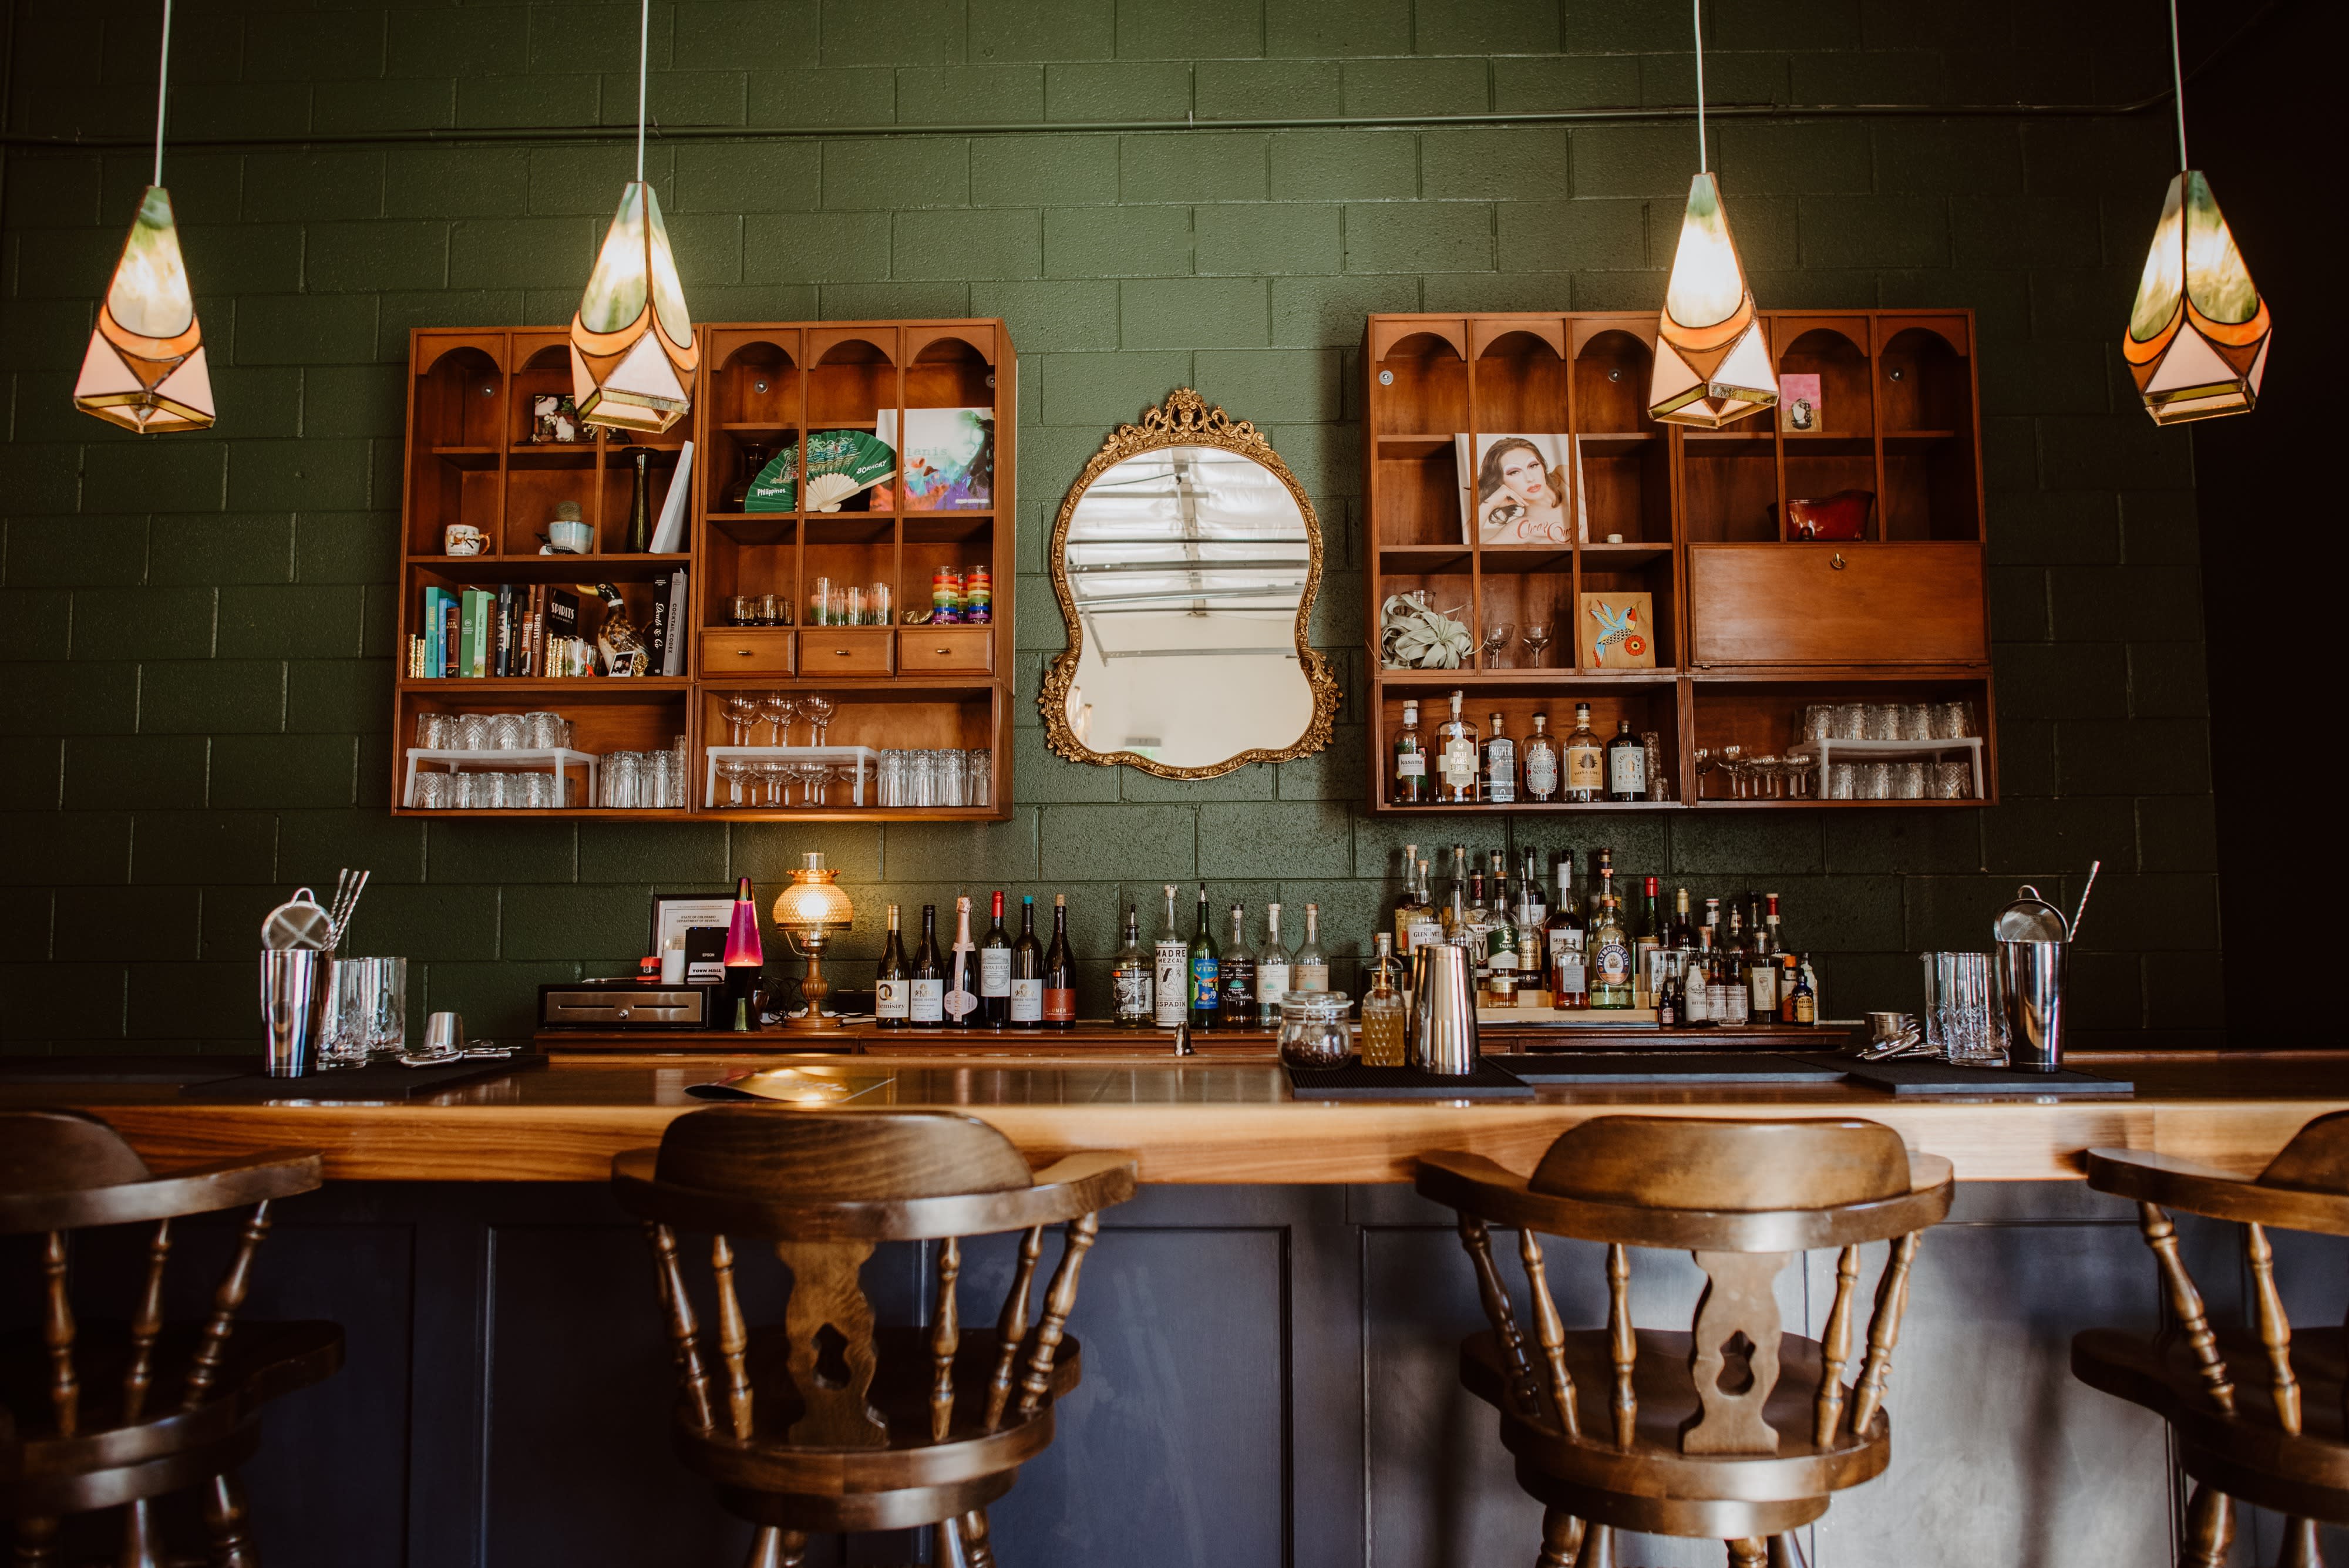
[198, 630]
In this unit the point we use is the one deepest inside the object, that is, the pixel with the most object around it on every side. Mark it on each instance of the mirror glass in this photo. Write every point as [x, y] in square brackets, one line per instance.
[1187, 570]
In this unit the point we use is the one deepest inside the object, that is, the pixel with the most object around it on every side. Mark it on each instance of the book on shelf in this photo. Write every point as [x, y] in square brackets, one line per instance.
[669, 534]
[521, 630]
[672, 661]
[949, 459]
[656, 627]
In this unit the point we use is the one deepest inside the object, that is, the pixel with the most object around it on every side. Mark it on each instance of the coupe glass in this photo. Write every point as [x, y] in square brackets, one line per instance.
[817, 712]
[1498, 637]
[777, 708]
[1537, 635]
[742, 710]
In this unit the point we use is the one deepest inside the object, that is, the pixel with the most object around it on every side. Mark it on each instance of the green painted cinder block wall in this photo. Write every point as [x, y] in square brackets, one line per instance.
[198, 630]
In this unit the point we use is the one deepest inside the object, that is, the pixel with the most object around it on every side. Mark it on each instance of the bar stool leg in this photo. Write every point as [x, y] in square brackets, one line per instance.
[36, 1543]
[2299, 1544]
[1781, 1552]
[2210, 1528]
[226, 1519]
[1598, 1548]
[1749, 1552]
[775, 1547]
[142, 1543]
[1561, 1538]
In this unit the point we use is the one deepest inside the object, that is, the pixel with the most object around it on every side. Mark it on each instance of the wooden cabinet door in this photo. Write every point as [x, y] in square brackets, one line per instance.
[1835, 604]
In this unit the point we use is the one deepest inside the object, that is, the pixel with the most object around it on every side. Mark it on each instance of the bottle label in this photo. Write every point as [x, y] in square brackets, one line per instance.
[1628, 768]
[1168, 985]
[889, 999]
[1565, 965]
[1411, 766]
[1614, 963]
[1764, 980]
[1541, 773]
[1308, 977]
[1426, 930]
[1060, 1005]
[1805, 1009]
[995, 972]
[1460, 763]
[1501, 772]
[1271, 982]
[928, 1003]
[1134, 994]
[1205, 972]
[1239, 990]
[1027, 999]
[1583, 767]
[1505, 956]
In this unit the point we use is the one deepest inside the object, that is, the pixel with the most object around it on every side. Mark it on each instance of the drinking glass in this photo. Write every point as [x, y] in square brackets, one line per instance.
[680, 772]
[815, 782]
[432, 732]
[742, 710]
[1913, 722]
[507, 732]
[817, 712]
[954, 778]
[1496, 638]
[822, 603]
[1843, 781]
[659, 776]
[460, 790]
[1959, 1014]
[1953, 781]
[1537, 635]
[1908, 781]
[1875, 781]
[770, 610]
[539, 790]
[1850, 721]
[889, 779]
[777, 708]
[1818, 723]
[343, 1043]
[1881, 720]
[982, 776]
[878, 600]
[729, 781]
[432, 791]
[472, 732]
[1953, 720]
[621, 774]
[543, 731]
[922, 778]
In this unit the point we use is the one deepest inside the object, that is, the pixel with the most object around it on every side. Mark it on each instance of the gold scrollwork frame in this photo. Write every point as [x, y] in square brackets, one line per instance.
[1186, 418]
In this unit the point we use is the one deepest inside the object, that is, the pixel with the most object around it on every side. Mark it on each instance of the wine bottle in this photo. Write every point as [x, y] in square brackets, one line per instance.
[926, 1001]
[960, 1000]
[1409, 781]
[1060, 972]
[640, 504]
[1025, 969]
[1236, 977]
[994, 968]
[1206, 996]
[1130, 976]
[1170, 967]
[1627, 764]
[1407, 903]
[1648, 941]
[1271, 970]
[889, 997]
[1309, 970]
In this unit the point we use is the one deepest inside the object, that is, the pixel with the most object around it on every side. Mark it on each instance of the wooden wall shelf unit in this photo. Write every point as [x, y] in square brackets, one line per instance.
[762, 386]
[1752, 624]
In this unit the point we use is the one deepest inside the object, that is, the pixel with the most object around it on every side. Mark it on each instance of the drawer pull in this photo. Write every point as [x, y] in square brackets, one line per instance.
[840, 653]
[942, 650]
[1836, 561]
[742, 652]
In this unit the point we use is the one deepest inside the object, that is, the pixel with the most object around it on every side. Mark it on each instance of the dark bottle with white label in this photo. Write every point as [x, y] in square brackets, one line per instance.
[926, 984]
[1130, 976]
[1059, 970]
[1205, 984]
[1627, 764]
[1500, 767]
[890, 996]
[994, 968]
[1024, 969]
[1238, 977]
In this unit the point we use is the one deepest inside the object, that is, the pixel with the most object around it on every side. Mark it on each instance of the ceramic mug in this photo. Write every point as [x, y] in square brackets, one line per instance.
[569, 538]
[464, 539]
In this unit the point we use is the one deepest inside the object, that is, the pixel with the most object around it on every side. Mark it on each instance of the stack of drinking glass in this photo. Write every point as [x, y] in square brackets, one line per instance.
[643, 781]
[1943, 778]
[937, 777]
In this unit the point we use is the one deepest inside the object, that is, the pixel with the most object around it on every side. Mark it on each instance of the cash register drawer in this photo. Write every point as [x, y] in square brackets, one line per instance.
[648, 1007]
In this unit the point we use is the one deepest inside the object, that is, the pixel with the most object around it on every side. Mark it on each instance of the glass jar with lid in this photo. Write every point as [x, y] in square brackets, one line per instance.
[1314, 1033]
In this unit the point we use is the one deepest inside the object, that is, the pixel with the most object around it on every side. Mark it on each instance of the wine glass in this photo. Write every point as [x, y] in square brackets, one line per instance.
[742, 710]
[817, 712]
[776, 774]
[813, 779]
[1733, 763]
[1496, 638]
[1537, 636]
[777, 709]
[732, 772]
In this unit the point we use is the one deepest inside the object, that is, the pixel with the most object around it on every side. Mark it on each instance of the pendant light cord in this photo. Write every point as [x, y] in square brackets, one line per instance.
[1697, 22]
[162, 83]
[2178, 73]
[644, 50]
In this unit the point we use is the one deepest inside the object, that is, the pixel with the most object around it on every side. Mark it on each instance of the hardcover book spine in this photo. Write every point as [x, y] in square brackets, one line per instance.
[673, 661]
[452, 634]
[503, 659]
[656, 636]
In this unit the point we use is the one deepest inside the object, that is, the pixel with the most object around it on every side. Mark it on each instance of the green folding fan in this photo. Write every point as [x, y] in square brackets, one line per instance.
[777, 488]
[842, 462]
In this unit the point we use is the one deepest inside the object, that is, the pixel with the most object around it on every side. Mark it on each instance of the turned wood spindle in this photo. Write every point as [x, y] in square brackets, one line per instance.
[1549, 1331]
[1835, 1351]
[1623, 1344]
[733, 1339]
[1011, 1328]
[977, 1551]
[146, 1326]
[204, 1367]
[1525, 1394]
[2275, 1328]
[1077, 1240]
[775, 1547]
[684, 1329]
[142, 1536]
[1749, 1552]
[2186, 1302]
[1561, 1538]
[1883, 1334]
[946, 1338]
[228, 1522]
[2299, 1550]
[57, 1332]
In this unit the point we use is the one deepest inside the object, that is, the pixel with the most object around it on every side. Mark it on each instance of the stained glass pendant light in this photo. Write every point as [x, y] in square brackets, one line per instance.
[1712, 365]
[145, 367]
[632, 350]
[2198, 337]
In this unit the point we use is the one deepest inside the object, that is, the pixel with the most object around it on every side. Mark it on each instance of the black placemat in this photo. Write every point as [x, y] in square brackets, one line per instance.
[1903, 1076]
[375, 1082]
[123, 1069]
[1355, 1082]
[1665, 1066]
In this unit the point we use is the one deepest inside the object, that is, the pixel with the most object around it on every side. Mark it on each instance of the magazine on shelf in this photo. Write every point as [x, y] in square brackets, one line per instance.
[1519, 488]
[948, 458]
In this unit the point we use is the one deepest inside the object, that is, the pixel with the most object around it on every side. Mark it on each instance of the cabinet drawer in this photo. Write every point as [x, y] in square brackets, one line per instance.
[1835, 604]
[746, 653]
[827, 652]
[947, 649]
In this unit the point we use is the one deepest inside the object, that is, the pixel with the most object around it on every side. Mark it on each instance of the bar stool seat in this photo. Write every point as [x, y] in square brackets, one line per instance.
[2258, 1411]
[1734, 1430]
[829, 1422]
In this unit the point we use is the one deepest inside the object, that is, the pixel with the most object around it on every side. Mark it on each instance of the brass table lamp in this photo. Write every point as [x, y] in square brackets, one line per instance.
[811, 909]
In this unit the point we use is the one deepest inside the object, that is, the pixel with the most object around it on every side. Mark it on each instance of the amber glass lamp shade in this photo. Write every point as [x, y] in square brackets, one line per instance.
[145, 367]
[812, 908]
[2198, 337]
[1712, 364]
[632, 348]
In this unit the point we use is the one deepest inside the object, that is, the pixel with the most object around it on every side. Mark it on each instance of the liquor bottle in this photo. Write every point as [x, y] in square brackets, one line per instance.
[1585, 768]
[961, 999]
[1627, 764]
[1777, 934]
[926, 1004]
[1500, 765]
[1456, 747]
[1610, 954]
[1713, 922]
[1059, 970]
[1407, 901]
[1455, 908]
[1474, 931]
[1733, 999]
[1668, 1003]
[1568, 980]
[1696, 989]
[1130, 976]
[1024, 970]
[1236, 978]
[1683, 938]
[1541, 762]
[1385, 1014]
[1271, 970]
[889, 995]
[994, 968]
[1205, 973]
[1309, 970]
[1761, 979]
[1602, 874]
[1804, 1005]
[1647, 942]
[1501, 943]
[1426, 919]
[1531, 909]
[1169, 988]
[1409, 783]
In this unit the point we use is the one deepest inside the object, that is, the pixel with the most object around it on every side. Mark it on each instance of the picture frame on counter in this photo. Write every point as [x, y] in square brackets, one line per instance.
[675, 914]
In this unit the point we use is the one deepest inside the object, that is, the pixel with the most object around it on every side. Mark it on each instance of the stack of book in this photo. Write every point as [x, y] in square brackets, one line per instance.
[532, 630]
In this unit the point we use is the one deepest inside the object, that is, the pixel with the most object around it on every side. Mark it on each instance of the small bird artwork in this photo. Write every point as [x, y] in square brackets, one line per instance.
[1618, 626]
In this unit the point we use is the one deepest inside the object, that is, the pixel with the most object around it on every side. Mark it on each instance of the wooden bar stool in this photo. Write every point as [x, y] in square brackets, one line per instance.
[88, 1433]
[827, 1423]
[2254, 1416]
[1736, 1430]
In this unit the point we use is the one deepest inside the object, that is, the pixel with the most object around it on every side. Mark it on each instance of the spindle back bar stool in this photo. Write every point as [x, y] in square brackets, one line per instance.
[829, 1422]
[93, 1429]
[2257, 1412]
[1736, 1430]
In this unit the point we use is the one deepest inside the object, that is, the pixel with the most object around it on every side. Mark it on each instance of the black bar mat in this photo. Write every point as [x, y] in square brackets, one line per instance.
[375, 1082]
[1355, 1082]
[1665, 1066]
[123, 1069]
[1921, 1077]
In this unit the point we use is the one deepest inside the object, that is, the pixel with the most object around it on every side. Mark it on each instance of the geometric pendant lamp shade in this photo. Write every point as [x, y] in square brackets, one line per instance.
[145, 367]
[1712, 364]
[632, 350]
[2198, 337]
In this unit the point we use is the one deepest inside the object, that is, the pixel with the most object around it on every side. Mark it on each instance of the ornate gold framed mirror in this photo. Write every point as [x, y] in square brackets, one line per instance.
[1186, 560]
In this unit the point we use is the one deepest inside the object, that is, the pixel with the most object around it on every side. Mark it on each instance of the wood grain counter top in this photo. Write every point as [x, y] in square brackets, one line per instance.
[1191, 1121]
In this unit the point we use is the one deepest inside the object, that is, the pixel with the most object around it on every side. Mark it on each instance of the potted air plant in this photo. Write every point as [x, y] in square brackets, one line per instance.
[1411, 636]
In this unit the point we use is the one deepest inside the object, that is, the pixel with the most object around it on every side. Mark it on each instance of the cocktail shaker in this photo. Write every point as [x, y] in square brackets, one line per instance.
[294, 991]
[2035, 950]
[1443, 1010]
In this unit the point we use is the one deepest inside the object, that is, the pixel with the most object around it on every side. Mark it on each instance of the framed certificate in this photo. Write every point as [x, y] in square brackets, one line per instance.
[675, 913]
